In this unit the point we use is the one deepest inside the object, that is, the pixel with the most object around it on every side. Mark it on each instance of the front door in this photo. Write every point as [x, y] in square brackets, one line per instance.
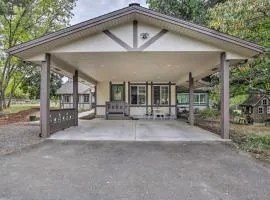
[117, 92]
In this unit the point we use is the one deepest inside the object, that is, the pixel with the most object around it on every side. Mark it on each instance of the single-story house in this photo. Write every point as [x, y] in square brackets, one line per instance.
[65, 94]
[135, 57]
[201, 96]
[257, 107]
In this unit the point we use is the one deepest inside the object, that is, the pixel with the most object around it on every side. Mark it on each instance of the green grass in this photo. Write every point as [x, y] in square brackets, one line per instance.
[19, 107]
[252, 142]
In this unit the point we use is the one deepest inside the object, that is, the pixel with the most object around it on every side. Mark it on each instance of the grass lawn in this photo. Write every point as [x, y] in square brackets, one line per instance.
[19, 107]
[14, 108]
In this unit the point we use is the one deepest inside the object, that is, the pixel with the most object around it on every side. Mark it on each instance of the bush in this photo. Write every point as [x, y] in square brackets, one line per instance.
[209, 113]
[252, 142]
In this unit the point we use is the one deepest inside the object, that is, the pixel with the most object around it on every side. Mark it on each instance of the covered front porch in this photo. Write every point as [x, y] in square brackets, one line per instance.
[135, 130]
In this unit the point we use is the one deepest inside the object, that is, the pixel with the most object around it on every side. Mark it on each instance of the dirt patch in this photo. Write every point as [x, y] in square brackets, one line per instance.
[88, 117]
[22, 116]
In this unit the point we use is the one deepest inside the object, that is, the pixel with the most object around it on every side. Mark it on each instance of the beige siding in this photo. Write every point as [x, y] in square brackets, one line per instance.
[144, 28]
[100, 111]
[103, 92]
[174, 42]
[95, 43]
[137, 111]
[125, 32]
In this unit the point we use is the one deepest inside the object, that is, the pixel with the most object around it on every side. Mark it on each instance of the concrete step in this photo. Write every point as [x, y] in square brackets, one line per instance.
[118, 117]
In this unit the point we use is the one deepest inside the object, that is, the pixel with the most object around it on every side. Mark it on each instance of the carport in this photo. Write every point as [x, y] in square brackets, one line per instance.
[134, 130]
[135, 57]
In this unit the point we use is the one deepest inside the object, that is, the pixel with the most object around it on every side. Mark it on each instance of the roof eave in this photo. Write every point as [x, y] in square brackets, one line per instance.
[135, 10]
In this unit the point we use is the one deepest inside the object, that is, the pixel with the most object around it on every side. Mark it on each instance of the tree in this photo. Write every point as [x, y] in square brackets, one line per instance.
[31, 84]
[25, 20]
[189, 10]
[3, 7]
[249, 20]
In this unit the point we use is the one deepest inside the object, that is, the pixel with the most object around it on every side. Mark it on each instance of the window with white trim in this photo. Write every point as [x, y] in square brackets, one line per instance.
[67, 99]
[268, 109]
[138, 94]
[265, 101]
[86, 98]
[182, 98]
[200, 98]
[260, 110]
[161, 95]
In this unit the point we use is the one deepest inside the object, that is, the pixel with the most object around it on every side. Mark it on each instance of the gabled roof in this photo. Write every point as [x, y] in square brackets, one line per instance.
[67, 88]
[133, 12]
[254, 99]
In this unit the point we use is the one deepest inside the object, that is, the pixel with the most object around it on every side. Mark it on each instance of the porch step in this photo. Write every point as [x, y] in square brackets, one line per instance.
[118, 117]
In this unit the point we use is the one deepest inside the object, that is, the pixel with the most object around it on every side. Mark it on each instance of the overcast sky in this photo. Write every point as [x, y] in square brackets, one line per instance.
[87, 9]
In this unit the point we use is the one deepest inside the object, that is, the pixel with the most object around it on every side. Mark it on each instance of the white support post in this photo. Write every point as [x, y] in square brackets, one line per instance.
[224, 85]
[191, 100]
[45, 97]
[75, 97]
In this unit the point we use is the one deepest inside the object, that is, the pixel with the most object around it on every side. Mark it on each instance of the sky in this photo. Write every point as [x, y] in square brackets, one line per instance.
[88, 9]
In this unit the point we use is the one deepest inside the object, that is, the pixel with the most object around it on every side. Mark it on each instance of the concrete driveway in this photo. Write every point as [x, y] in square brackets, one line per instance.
[106, 170]
[135, 130]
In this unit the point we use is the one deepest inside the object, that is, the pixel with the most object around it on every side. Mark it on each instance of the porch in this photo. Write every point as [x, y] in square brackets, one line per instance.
[134, 130]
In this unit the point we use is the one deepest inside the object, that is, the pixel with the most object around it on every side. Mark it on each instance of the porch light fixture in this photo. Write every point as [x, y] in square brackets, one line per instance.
[144, 36]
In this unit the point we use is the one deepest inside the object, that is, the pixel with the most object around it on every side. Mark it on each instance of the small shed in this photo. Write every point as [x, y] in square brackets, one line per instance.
[85, 93]
[257, 107]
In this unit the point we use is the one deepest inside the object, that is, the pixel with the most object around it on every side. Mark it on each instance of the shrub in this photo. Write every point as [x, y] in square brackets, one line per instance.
[252, 142]
[209, 113]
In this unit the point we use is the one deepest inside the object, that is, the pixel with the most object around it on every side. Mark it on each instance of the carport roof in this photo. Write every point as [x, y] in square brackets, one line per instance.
[134, 11]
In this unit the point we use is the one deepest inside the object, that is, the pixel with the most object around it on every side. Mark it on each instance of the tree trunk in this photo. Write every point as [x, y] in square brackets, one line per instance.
[9, 101]
[1, 101]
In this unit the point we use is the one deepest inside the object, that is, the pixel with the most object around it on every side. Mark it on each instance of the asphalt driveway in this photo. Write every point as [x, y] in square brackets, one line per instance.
[132, 170]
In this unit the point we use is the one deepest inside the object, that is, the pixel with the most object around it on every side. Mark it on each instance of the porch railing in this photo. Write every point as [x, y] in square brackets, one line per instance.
[61, 119]
[117, 108]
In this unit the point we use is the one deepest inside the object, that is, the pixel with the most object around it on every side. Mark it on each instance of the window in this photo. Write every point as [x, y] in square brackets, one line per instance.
[85, 98]
[183, 98]
[260, 110]
[117, 92]
[200, 99]
[268, 109]
[250, 110]
[264, 102]
[161, 95]
[66, 98]
[138, 95]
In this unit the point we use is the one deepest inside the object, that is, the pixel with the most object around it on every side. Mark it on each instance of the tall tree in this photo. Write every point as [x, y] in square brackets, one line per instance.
[25, 20]
[190, 10]
[249, 20]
